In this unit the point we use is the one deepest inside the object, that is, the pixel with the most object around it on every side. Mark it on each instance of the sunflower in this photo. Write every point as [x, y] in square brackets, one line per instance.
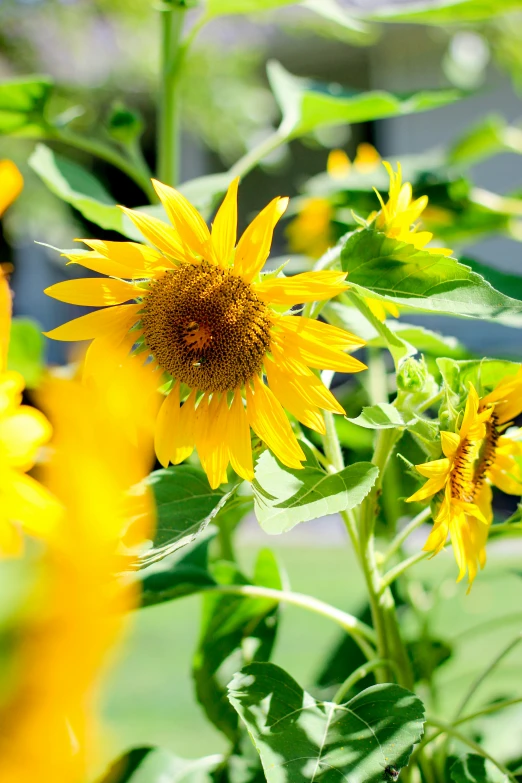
[24, 503]
[477, 456]
[214, 328]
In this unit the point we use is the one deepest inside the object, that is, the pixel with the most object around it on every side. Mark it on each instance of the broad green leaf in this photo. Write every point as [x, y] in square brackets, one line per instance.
[284, 497]
[340, 24]
[222, 7]
[185, 505]
[379, 417]
[445, 11]
[484, 374]
[79, 188]
[175, 577]
[26, 350]
[235, 631]
[397, 271]
[156, 765]
[307, 105]
[300, 739]
[23, 104]
[491, 137]
[506, 283]
[473, 768]
[427, 341]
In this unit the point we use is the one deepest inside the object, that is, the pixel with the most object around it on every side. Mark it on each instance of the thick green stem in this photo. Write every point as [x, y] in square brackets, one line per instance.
[172, 19]
[252, 158]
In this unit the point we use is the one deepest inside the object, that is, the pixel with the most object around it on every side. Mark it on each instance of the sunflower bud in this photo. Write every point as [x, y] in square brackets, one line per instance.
[413, 376]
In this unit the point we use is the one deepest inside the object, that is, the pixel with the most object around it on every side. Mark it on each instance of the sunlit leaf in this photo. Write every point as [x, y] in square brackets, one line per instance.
[23, 103]
[307, 105]
[185, 506]
[284, 497]
[379, 417]
[445, 11]
[26, 350]
[300, 739]
[397, 271]
[491, 137]
[79, 188]
[473, 768]
[156, 765]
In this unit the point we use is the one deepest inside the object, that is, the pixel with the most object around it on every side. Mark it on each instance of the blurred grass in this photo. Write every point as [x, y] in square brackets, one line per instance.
[149, 697]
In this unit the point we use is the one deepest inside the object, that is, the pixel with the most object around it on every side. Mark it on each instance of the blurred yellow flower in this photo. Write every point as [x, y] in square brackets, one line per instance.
[397, 217]
[475, 457]
[24, 503]
[311, 231]
[216, 328]
[11, 184]
[48, 727]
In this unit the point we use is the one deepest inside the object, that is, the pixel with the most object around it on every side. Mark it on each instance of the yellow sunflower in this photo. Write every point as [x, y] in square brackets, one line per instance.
[475, 457]
[214, 327]
[24, 503]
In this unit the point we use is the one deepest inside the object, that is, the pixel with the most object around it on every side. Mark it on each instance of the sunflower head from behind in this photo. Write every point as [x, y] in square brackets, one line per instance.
[213, 330]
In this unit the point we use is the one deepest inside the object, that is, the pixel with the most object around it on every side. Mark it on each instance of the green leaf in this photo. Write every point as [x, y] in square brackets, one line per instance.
[446, 11]
[156, 765]
[300, 739]
[222, 7]
[22, 106]
[175, 577]
[338, 23]
[73, 184]
[307, 105]
[235, 630]
[484, 374]
[506, 283]
[284, 497]
[472, 768]
[490, 137]
[185, 505]
[123, 124]
[379, 417]
[26, 350]
[397, 271]
[427, 341]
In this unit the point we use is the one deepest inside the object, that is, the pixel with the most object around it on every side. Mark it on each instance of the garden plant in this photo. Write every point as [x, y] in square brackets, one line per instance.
[217, 382]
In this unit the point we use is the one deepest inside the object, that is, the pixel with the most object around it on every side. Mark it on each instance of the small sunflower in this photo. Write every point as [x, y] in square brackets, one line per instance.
[477, 456]
[215, 328]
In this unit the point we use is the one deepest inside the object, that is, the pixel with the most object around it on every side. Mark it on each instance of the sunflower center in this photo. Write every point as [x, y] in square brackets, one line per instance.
[472, 461]
[206, 327]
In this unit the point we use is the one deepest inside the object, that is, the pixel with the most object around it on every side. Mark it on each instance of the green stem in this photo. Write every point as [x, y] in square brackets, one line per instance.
[361, 633]
[506, 527]
[406, 531]
[172, 19]
[487, 671]
[446, 728]
[99, 150]
[359, 674]
[254, 156]
[394, 573]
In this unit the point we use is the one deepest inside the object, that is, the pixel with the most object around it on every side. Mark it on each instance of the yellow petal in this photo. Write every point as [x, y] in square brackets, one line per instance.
[440, 531]
[317, 330]
[505, 482]
[187, 221]
[21, 435]
[470, 412]
[507, 397]
[302, 343]
[158, 233]
[224, 227]
[11, 387]
[104, 266]
[185, 437]
[5, 319]
[167, 424]
[132, 255]
[305, 287]
[93, 291]
[290, 395]
[211, 438]
[430, 488]
[254, 246]
[435, 468]
[450, 442]
[311, 387]
[11, 184]
[11, 541]
[367, 158]
[376, 307]
[268, 420]
[239, 445]
[96, 324]
[32, 505]
[338, 164]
